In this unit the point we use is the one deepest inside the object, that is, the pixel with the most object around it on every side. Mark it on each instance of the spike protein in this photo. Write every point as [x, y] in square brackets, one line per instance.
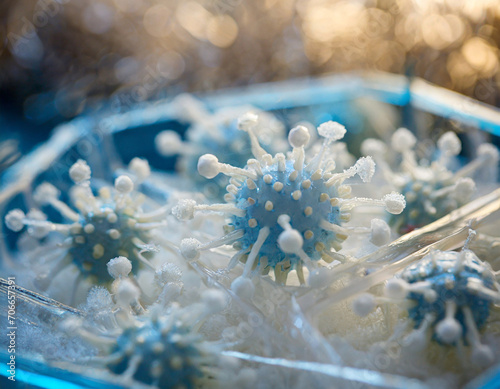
[431, 190]
[285, 213]
[97, 229]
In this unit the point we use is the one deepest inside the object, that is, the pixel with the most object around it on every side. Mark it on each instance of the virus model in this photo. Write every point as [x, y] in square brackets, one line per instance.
[448, 296]
[160, 346]
[431, 190]
[97, 229]
[284, 213]
[217, 132]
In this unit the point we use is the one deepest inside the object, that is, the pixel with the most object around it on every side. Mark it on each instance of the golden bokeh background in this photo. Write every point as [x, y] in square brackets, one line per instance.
[81, 52]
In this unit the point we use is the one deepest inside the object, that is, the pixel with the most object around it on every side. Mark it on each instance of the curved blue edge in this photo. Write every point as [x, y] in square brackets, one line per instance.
[384, 87]
[488, 380]
[387, 88]
[35, 374]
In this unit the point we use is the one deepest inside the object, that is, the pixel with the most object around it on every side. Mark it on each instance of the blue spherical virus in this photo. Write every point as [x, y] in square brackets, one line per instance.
[306, 201]
[286, 213]
[421, 209]
[431, 188]
[451, 279]
[159, 346]
[95, 228]
[105, 234]
[160, 353]
[449, 297]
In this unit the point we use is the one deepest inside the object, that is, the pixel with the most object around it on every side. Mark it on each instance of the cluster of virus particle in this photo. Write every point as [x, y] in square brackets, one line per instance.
[431, 189]
[284, 213]
[448, 296]
[95, 229]
[217, 132]
[159, 346]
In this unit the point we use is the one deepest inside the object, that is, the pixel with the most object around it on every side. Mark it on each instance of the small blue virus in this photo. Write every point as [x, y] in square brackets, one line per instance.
[160, 352]
[431, 189]
[449, 297]
[96, 230]
[158, 346]
[219, 133]
[451, 287]
[285, 213]
[452, 295]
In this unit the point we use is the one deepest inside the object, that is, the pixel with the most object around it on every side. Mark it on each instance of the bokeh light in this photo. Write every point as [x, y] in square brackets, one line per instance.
[128, 51]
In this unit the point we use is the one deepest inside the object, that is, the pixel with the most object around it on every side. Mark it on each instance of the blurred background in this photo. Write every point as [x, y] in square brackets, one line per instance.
[61, 58]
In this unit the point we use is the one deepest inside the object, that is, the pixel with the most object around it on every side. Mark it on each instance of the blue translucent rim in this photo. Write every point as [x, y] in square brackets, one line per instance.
[384, 87]
[37, 374]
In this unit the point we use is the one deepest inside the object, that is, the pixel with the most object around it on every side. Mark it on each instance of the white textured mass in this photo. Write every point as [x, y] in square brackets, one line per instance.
[448, 330]
[395, 203]
[190, 249]
[290, 241]
[364, 304]
[449, 144]
[184, 210]
[168, 143]
[124, 184]
[332, 130]
[247, 121]
[208, 166]
[45, 192]
[365, 167]
[396, 288]
[80, 172]
[15, 220]
[140, 167]
[299, 136]
[403, 140]
[380, 232]
[119, 267]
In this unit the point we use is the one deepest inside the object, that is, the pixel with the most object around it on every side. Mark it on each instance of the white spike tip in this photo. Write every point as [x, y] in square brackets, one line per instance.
[208, 166]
